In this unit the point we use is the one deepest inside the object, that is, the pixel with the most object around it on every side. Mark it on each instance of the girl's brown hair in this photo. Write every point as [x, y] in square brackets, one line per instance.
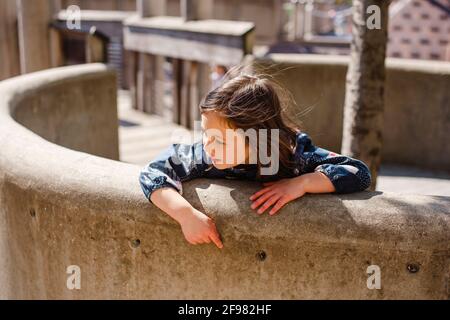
[252, 102]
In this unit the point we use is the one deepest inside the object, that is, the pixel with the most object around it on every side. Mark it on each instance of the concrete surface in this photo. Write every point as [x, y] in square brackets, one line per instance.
[60, 207]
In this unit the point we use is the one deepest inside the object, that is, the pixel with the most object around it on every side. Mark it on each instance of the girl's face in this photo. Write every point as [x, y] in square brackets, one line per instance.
[222, 143]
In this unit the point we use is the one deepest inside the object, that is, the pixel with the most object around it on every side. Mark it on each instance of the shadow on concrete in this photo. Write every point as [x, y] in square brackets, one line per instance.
[392, 170]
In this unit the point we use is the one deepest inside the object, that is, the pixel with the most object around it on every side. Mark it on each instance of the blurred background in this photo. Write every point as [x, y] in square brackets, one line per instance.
[169, 53]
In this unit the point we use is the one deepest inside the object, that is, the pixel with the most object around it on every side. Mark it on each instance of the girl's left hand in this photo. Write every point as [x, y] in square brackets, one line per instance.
[278, 193]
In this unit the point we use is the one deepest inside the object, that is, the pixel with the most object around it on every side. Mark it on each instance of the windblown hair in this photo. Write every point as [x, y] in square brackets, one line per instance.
[252, 102]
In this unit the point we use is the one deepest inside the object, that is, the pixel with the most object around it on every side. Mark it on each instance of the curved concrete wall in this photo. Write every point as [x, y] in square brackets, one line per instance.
[417, 112]
[60, 207]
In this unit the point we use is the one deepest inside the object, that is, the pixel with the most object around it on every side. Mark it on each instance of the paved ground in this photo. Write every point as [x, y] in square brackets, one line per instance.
[143, 136]
[400, 179]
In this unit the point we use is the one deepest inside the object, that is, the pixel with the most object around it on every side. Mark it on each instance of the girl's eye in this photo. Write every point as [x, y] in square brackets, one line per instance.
[219, 142]
[205, 137]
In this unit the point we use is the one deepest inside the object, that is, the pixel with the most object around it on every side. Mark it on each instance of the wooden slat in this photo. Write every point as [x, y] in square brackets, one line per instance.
[95, 48]
[132, 60]
[145, 83]
[9, 48]
[150, 8]
[56, 51]
[34, 18]
[193, 94]
[189, 9]
[185, 93]
[177, 73]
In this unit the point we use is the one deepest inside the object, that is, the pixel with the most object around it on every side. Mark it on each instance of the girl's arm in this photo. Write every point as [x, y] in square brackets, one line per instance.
[321, 171]
[346, 174]
[196, 226]
[161, 180]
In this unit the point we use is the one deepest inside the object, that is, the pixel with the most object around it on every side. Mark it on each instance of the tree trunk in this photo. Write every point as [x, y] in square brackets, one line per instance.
[364, 99]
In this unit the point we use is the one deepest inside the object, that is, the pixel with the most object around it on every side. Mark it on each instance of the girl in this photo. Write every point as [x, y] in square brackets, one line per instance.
[242, 103]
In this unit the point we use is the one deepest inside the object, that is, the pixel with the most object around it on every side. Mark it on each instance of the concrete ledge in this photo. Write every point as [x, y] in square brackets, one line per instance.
[416, 96]
[61, 207]
[208, 41]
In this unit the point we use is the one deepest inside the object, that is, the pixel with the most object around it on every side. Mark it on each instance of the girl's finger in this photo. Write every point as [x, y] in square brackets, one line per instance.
[206, 240]
[216, 240]
[260, 192]
[214, 236]
[268, 203]
[261, 199]
[267, 184]
[280, 203]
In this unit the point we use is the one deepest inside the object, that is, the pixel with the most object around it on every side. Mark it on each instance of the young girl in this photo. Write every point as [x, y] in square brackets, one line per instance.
[242, 103]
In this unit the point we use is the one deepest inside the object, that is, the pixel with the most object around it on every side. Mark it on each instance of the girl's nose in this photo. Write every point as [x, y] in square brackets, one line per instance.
[206, 141]
[209, 150]
[207, 146]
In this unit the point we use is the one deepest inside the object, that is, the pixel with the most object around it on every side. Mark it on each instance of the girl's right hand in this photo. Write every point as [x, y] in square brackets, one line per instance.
[199, 228]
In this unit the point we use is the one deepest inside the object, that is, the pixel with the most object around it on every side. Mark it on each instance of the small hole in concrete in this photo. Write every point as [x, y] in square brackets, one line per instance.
[135, 243]
[32, 213]
[413, 267]
[261, 255]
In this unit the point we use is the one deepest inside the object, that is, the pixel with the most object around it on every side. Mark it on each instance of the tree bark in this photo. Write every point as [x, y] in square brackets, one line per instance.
[364, 99]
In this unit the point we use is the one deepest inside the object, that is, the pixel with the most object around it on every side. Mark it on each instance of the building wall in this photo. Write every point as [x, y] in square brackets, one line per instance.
[419, 30]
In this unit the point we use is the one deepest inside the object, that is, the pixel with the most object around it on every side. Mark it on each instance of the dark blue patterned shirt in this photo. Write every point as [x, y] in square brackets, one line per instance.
[183, 162]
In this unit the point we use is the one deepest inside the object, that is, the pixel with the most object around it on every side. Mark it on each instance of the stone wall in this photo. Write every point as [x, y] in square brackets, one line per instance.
[60, 207]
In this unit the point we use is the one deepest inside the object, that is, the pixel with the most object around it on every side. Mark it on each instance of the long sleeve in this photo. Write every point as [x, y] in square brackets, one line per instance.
[178, 163]
[347, 174]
